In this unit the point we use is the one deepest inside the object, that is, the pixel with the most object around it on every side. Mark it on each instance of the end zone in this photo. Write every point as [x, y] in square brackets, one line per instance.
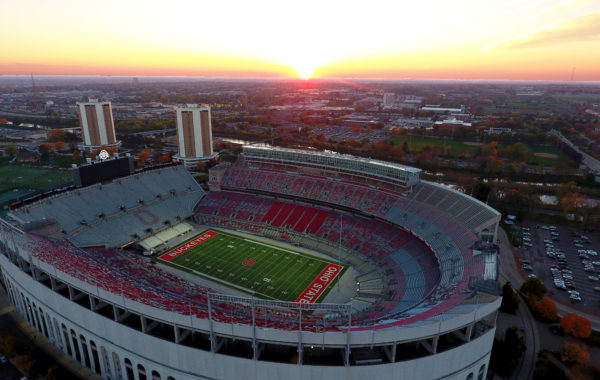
[319, 284]
[187, 246]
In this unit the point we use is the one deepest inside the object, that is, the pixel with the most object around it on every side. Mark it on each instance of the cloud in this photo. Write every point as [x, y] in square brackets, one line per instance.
[586, 28]
[568, 5]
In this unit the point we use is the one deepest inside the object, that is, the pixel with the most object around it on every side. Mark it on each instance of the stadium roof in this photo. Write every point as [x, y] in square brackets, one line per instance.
[334, 155]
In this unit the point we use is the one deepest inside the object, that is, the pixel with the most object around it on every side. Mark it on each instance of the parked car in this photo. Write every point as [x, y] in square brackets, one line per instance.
[593, 278]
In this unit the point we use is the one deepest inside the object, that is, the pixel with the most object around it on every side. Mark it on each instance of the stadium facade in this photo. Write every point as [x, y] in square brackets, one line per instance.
[423, 287]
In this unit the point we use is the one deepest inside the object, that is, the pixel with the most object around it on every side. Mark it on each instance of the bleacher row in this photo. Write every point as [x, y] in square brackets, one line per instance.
[136, 279]
[368, 199]
[340, 192]
[404, 258]
[109, 212]
[468, 211]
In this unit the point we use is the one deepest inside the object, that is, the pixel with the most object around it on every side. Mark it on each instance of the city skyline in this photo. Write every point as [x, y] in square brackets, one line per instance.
[545, 40]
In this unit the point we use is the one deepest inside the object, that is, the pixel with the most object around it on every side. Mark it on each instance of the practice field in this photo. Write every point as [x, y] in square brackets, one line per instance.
[260, 269]
[17, 176]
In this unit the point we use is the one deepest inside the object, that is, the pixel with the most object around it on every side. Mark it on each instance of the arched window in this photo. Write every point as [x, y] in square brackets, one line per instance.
[117, 364]
[95, 357]
[129, 369]
[66, 338]
[141, 372]
[84, 354]
[481, 372]
[470, 377]
[155, 375]
[75, 345]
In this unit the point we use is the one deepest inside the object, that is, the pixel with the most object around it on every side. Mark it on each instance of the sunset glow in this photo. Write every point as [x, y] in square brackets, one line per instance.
[547, 39]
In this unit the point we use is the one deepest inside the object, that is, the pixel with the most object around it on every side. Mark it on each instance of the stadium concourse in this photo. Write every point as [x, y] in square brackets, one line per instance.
[420, 286]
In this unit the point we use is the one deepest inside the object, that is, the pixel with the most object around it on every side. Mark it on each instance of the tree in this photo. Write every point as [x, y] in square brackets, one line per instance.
[60, 146]
[76, 156]
[535, 287]
[164, 158]
[545, 369]
[573, 203]
[200, 165]
[578, 326]
[11, 150]
[546, 308]
[51, 374]
[57, 135]
[45, 148]
[572, 353]
[142, 158]
[507, 353]
[565, 189]
[7, 344]
[25, 364]
[510, 299]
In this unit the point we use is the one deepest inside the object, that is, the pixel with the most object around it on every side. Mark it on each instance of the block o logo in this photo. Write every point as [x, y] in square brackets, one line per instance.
[103, 154]
[248, 262]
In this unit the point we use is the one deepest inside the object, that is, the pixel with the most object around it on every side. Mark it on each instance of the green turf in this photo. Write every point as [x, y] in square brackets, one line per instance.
[277, 273]
[417, 143]
[18, 181]
[21, 176]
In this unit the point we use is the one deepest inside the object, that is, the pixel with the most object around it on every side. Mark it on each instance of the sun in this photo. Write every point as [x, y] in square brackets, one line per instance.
[304, 70]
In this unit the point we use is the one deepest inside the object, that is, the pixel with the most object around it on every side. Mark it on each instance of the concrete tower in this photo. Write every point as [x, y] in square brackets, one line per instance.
[97, 125]
[194, 135]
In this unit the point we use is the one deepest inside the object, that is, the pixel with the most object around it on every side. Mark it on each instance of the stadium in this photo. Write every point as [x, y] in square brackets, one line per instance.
[295, 264]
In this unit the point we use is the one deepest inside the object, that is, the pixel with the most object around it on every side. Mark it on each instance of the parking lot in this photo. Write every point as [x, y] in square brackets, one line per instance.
[565, 260]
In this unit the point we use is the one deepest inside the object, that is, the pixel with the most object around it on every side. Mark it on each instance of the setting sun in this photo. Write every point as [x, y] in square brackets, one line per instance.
[305, 71]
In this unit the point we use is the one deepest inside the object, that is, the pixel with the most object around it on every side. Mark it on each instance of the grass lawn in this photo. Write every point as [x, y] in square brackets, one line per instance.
[417, 143]
[18, 176]
[550, 161]
[263, 270]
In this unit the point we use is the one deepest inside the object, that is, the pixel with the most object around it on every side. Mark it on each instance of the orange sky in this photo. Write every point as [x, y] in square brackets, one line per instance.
[468, 39]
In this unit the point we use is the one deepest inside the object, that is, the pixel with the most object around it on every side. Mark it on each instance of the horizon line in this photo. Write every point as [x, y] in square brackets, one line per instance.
[300, 79]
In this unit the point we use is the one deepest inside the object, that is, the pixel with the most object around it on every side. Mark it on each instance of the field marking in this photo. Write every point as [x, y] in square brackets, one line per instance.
[286, 288]
[285, 250]
[318, 286]
[219, 281]
[188, 246]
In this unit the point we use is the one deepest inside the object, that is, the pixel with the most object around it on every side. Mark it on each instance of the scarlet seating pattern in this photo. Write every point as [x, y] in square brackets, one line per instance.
[339, 192]
[136, 279]
[374, 239]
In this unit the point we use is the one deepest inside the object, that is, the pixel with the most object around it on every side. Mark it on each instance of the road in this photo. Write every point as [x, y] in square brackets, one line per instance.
[509, 272]
[588, 160]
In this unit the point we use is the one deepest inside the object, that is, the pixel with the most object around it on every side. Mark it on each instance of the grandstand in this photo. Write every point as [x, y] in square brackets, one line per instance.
[147, 203]
[417, 301]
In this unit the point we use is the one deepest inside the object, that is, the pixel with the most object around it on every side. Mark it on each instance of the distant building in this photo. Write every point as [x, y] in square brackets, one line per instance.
[453, 121]
[497, 131]
[462, 109]
[194, 135]
[389, 99]
[97, 125]
[26, 156]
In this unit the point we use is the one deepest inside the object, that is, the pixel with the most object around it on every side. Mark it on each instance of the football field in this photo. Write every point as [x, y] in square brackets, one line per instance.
[260, 269]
